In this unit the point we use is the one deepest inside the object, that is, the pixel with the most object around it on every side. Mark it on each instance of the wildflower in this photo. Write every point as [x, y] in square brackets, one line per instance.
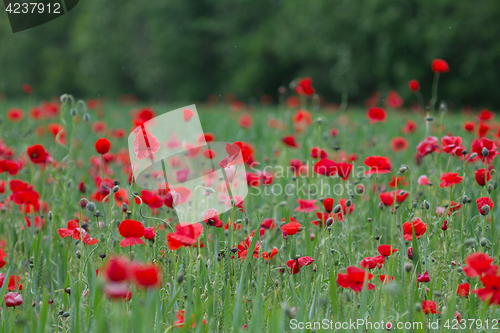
[269, 255]
[440, 66]
[38, 154]
[486, 115]
[244, 246]
[429, 307]
[463, 289]
[132, 231]
[414, 85]
[428, 146]
[15, 115]
[68, 232]
[180, 320]
[419, 226]
[304, 87]
[452, 145]
[297, 263]
[306, 206]
[399, 144]
[118, 291]
[491, 291]
[386, 250]
[482, 177]
[377, 164]
[289, 140]
[449, 179]
[386, 278]
[376, 114]
[146, 275]
[478, 145]
[423, 180]
[423, 278]
[291, 228]
[117, 269]
[13, 299]
[355, 279]
[211, 218]
[102, 146]
[479, 264]
[328, 205]
[469, 126]
[484, 205]
[86, 239]
[372, 262]
[409, 127]
[184, 235]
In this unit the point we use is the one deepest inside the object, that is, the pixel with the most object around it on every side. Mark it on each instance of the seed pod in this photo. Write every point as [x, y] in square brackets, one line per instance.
[465, 199]
[470, 242]
[91, 206]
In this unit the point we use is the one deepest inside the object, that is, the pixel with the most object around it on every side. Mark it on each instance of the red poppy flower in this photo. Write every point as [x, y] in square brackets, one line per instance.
[143, 115]
[102, 146]
[13, 299]
[211, 218]
[328, 205]
[424, 278]
[86, 237]
[409, 127]
[387, 198]
[429, 145]
[452, 144]
[27, 88]
[304, 87]
[423, 180]
[449, 179]
[318, 153]
[13, 282]
[2, 256]
[132, 231]
[117, 269]
[185, 235]
[429, 307]
[372, 262]
[9, 166]
[253, 180]
[485, 115]
[209, 153]
[483, 130]
[483, 201]
[289, 140]
[339, 217]
[306, 206]
[245, 121]
[265, 177]
[420, 228]
[478, 145]
[325, 167]
[233, 150]
[399, 144]
[180, 320]
[481, 177]
[296, 264]
[414, 85]
[15, 115]
[244, 246]
[396, 181]
[269, 255]
[491, 291]
[386, 278]
[469, 126]
[386, 250]
[268, 223]
[479, 264]
[187, 114]
[377, 164]
[355, 279]
[72, 225]
[291, 228]
[393, 100]
[149, 233]
[145, 145]
[463, 289]
[440, 66]
[454, 206]
[146, 275]
[376, 114]
[38, 154]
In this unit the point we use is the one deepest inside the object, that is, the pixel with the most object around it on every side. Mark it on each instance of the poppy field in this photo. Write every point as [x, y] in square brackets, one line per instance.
[374, 219]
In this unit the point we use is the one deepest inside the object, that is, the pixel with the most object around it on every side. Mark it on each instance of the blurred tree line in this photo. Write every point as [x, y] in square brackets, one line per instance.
[180, 50]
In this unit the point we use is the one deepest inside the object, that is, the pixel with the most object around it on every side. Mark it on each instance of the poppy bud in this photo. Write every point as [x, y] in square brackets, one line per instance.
[418, 307]
[369, 219]
[329, 228]
[408, 267]
[50, 301]
[465, 199]
[427, 205]
[410, 253]
[444, 227]
[473, 156]
[86, 117]
[403, 169]
[464, 152]
[485, 152]
[209, 190]
[67, 291]
[460, 269]
[50, 216]
[97, 213]
[180, 278]
[64, 98]
[319, 121]
[485, 209]
[348, 203]
[483, 242]
[329, 221]
[78, 254]
[116, 188]
[429, 118]
[65, 314]
[337, 209]
[73, 112]
[414, 205]
[381, 205]
[90, 206]
[124, 206]
[470, 242]
[247, 221]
